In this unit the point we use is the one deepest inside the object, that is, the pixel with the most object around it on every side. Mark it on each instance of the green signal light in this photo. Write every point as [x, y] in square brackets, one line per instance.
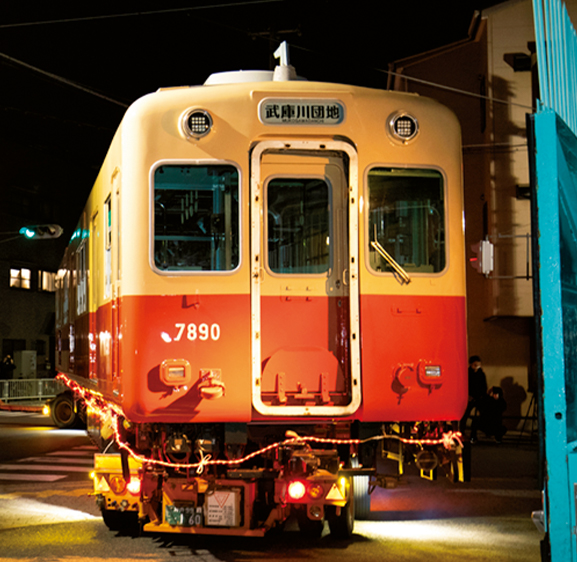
[41, 231]
[27, 232]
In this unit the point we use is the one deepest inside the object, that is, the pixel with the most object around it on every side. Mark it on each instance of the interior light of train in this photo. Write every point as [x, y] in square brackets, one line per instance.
[196, 123]
[403, 127]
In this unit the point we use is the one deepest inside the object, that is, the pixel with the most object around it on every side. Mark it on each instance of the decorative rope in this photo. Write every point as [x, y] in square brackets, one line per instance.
[111, 412]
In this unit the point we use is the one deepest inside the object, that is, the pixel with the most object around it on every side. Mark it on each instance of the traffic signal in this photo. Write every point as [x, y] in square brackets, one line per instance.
[41, 231]
[483, 261]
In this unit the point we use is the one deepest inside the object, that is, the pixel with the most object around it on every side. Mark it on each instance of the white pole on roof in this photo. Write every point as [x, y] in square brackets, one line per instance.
[282, 53]
[284, 71]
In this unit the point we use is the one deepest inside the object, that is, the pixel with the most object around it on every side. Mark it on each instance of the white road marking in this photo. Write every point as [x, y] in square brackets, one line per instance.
[87, 454]
[60, 460]
[22, 512]
[499, 492]
[47, 467]
[32, 477]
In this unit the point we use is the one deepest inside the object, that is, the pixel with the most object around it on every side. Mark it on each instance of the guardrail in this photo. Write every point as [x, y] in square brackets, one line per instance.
[36, 390]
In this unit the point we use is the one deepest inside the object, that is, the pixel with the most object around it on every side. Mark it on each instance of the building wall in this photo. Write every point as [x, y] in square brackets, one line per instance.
[496, 177]
[27, 314]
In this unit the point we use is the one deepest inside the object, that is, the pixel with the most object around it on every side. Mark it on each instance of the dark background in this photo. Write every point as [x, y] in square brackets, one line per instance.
[67, 73]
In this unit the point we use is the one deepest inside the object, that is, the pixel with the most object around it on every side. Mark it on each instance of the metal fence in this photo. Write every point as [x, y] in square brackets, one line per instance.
[32, 390]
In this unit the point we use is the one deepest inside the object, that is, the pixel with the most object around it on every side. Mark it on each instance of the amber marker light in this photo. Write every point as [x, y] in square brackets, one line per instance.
[117, 484]
[316, 491]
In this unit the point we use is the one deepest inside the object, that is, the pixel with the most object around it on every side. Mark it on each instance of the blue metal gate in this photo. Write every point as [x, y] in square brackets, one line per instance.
[556, 182]
[555, 233]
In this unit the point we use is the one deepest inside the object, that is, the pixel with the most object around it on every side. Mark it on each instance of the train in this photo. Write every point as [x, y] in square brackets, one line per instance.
[261, 313]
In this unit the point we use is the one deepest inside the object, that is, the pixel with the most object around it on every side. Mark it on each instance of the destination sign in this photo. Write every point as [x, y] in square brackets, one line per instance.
[301, 111]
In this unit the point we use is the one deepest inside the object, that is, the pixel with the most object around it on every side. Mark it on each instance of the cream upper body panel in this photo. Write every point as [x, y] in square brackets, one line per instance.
[151, 134]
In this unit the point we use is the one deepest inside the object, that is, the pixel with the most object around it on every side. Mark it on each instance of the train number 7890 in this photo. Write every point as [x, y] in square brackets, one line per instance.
[192, 332]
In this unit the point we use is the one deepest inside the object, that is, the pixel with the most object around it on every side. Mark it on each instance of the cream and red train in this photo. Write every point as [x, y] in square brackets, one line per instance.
[264, 295]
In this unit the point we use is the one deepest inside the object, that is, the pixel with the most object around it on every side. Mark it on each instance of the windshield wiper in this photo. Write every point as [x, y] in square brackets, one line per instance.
[390, 260]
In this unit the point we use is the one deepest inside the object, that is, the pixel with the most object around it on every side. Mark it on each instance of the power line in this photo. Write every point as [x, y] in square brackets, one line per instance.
[136, 14]
[452, 89]
[218, 6]
[61, 79]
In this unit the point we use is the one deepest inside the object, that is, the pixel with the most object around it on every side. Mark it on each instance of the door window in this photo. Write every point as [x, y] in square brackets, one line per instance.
[298, 212]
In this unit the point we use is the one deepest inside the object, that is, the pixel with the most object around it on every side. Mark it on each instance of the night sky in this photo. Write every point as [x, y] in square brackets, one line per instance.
[54, 135]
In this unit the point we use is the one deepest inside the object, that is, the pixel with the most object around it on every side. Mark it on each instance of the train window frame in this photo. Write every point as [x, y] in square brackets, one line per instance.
[330, 266]
[239, 211]
[369, 236]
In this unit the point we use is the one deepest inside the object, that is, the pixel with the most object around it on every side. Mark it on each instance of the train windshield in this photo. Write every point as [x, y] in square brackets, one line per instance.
[196, 218]
[406, 219]
[298, 225]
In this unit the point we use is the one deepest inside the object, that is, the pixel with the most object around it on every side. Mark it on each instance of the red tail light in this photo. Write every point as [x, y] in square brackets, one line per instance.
[296, 490]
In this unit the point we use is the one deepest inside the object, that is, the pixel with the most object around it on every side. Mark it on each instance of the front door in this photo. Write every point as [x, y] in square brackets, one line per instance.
[304, 289]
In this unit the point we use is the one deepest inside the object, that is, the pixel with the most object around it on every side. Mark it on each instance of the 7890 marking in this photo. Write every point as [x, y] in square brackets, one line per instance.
[192, 332]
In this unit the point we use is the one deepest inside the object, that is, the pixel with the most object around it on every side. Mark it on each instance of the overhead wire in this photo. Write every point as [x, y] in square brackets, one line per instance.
[136, 14]
[61, 79]
[218, 6]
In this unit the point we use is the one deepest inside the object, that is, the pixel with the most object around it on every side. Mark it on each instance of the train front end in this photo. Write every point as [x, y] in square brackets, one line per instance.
[276, 301]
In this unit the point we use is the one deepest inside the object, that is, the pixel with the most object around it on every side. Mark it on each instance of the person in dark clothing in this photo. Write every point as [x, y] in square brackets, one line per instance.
[6, 367]
[477, 388]
[490, 418]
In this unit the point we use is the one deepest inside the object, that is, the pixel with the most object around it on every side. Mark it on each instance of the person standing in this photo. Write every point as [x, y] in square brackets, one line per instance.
[477, 388]
[490, 418]
[7, 367]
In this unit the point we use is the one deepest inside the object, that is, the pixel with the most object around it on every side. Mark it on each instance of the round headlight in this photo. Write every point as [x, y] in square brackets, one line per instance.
[402, 126]
[196, 123]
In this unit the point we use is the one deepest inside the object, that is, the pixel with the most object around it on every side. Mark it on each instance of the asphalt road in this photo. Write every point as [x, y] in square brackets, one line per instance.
[487, 519]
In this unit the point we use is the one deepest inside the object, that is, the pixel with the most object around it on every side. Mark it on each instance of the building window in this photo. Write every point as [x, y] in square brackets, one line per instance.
[46, 281]
[20, 278]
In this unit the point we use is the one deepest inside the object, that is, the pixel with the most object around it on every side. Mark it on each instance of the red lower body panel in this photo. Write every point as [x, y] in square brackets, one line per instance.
[186, 359]
[183, 359]
[403, 339]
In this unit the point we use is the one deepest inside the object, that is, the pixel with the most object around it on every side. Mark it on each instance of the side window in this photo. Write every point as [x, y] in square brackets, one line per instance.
[196, 218]
[406, 219]
[81, 276]
[108, 247]
[298, 225]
